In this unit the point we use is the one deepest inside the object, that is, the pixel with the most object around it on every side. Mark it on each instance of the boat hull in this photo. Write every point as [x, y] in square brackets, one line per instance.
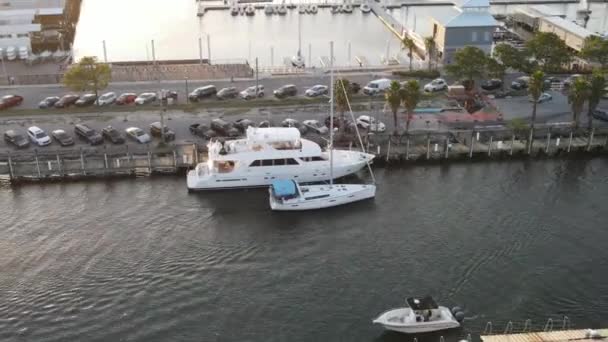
[325, 196]
[399, 320]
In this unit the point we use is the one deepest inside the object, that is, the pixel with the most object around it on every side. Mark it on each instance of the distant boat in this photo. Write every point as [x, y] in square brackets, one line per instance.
[269, 9]
[234, 10]
[249, 10]
[297, 60]
[365, 8]
[313, 9]
[335, 9]
[347, 8]
[282, 10]
[302, 9]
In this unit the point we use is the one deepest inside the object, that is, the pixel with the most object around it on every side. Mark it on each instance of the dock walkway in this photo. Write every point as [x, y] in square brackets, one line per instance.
[549, 336]
[397, 29]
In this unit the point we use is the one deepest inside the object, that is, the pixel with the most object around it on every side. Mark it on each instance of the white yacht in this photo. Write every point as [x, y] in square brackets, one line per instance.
[287, 195]
[422, 315]
[267, 154]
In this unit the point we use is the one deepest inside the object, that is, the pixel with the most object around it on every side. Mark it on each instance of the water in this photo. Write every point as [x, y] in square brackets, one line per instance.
[143, 260]
[175, 28]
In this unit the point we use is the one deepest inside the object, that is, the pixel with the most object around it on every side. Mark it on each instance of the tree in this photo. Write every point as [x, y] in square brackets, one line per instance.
[411, 95]
[509, 56]
[408, 44]
[597, 89]
[579, 93]
[342, 97]
[535, 90]
[393, 97]
[595, 49]
[430, 45]
[549, 50]
[496, 70]
[88, 75]
[469, 63]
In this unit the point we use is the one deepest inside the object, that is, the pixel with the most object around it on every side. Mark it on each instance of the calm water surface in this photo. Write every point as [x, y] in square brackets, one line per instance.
[129, 26]
[144, 260]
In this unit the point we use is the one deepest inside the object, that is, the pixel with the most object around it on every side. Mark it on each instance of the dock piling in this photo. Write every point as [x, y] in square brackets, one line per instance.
[548, 142]
[471, 145]
[570, 142]
[10, 167]
[590, 140]
[388, 150]
[490, 146]
[37, 163]
[407, 148]
[428, 146]
[59, 166]
[84, 171]
[447, 149]
[175, 159]
[512, 143]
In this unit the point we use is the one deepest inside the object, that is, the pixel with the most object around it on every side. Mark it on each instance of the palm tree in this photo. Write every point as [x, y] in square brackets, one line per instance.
[535, 90]
[429, 44]
[393, 99]
[579, 93]
[342, 97]
[408, 44]
[597, 90]
[411, 95]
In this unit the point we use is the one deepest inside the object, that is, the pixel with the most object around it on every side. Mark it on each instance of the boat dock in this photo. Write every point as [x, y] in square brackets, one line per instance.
[547, 336]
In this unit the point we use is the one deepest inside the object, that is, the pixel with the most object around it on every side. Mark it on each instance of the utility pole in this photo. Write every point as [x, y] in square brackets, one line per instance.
[271, 56]
[187, 92]
[309, 55]
[331, 113]
[200, 49]
[160, 95]
[105, 52]
[209, 49]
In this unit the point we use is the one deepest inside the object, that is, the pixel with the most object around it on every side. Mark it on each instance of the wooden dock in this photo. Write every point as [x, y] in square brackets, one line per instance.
[397, 29]
[549, 336]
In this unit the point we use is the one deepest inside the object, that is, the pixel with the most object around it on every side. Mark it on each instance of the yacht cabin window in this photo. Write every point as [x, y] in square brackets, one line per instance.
[274, 162]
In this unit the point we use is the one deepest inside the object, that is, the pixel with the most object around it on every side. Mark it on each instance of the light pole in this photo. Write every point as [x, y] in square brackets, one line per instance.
[256, 78]
[187, 92]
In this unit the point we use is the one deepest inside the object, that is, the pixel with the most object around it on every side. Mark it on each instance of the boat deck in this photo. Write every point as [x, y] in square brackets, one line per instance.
[551, 336]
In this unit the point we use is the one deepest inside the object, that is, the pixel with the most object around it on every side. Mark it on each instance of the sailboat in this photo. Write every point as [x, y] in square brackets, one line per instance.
[298, 60]
[289, 195]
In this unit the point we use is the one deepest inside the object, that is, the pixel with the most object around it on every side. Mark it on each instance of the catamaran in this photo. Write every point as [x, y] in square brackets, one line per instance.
[268, 154]
[289, 195]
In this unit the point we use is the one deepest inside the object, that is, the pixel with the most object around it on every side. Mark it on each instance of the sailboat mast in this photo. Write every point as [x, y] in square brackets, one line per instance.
[299, 34]
[331, 113]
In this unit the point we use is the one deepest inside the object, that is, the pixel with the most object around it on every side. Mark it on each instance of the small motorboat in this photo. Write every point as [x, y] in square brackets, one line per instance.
[298, 61]
[269, 9]
[282, 10]
[313, 9]
[335, 9]
[249, 10]
[11, 53]
[365, 8]
[234, 10]
[302, 9]
[422, 315]
[288, 195]
[347, 8]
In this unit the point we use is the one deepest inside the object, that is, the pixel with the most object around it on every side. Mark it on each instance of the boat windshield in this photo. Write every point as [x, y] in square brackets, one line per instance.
[224, 166]
[287, 145]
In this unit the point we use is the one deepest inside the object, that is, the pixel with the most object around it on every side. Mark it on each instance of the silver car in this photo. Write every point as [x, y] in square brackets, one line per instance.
[138, 135]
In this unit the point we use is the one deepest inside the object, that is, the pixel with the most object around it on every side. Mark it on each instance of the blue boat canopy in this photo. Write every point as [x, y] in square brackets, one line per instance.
[284, 188]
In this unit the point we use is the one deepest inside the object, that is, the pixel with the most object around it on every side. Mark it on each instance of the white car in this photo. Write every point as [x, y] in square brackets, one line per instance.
[249, 93]
[376, 87]
[371, 124]
[106, 99]
[436, 85]
[38, 136]
[544, 97]
[145, 98]
[316, 126]
[138, 135]
[317, 90]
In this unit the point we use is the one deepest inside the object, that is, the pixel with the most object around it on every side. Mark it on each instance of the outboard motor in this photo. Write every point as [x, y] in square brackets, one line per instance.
[458, 313]
[223, 149]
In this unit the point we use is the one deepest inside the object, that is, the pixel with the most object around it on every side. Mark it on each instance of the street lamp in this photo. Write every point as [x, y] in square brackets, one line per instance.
[187, 92]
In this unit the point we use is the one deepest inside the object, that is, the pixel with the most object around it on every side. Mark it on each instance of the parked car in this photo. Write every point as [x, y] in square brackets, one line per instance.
[8, 101]
[520, 83]
[317, 90]
[48, 102]
[249, 93]
[126, 98]
[264, 124]
[227, 93]
[138, 135]
[113, 135]
[88, 134]
[570, 80]
[169, 94]
[86, 100]
[315, 126]
[145, 98]
[106, 99]
[62, 137]
[294, 123]
[600, 115]
[436, 85]
[66, 100]
[202, 92]
[285, 91]
[370, 124]
[492, 84]
[336, 122]
[243, 124]
[155, 131]
[544, 97]
[38, 136]
[377, 87]
[224, 128]
[202, 131]
[16, 138]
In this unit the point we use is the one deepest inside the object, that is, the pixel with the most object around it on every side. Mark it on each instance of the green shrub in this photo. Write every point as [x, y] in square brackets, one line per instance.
[418, 73]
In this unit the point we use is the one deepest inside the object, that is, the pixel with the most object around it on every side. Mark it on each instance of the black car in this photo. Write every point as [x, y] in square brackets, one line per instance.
[155, 131]
[285, 91]
[202, 131]
[520, 83]
[62, 137]
[48, 102]
[88, 134]
[113, 135]
[227, 93]
[224, 128]
[492, 84]
[17, 139]
[243, 124]
[86, 100]
[168, 94]
[265, 124]
[600, 115]
[355, 87]
[66, 101]
[202, 92]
